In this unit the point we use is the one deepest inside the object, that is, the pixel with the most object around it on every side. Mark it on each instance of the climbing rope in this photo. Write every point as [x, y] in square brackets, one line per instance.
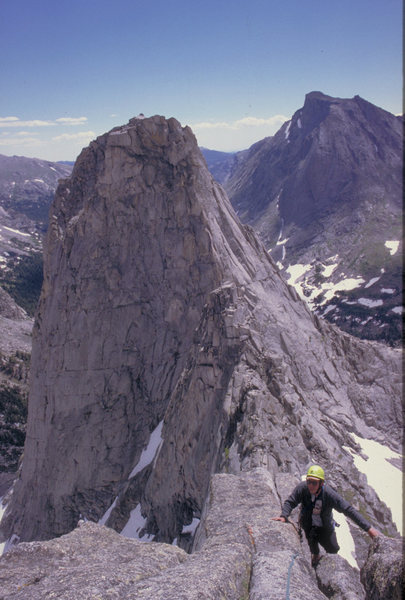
[294, 556]
[287, 593]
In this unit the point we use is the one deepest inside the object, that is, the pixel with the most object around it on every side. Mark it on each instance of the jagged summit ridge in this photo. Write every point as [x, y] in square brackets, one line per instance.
[162, 317]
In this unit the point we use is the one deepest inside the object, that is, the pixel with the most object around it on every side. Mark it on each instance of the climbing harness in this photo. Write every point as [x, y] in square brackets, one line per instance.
[287, 593]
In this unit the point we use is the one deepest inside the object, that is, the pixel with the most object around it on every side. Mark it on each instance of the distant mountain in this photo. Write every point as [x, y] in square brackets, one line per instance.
[324, 194]
[27, 187]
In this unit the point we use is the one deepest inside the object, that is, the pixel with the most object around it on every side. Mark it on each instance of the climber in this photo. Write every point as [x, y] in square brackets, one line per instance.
[317, 500]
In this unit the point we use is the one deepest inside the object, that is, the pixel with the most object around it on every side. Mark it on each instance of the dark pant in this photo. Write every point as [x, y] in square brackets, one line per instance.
[325, 537]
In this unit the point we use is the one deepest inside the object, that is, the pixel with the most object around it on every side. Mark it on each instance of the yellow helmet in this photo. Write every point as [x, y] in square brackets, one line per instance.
[317, 472]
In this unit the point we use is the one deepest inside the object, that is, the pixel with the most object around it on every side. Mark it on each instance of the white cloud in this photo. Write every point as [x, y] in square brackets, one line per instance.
[83, 135]
[276, 120]
[210, 125]
[72, 120]
[23, 133]
[20, 141]
[236, 135]
[16, 122]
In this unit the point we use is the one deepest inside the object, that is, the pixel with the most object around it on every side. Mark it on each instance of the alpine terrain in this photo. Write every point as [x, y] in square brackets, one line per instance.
[179, 389]
[324, 194]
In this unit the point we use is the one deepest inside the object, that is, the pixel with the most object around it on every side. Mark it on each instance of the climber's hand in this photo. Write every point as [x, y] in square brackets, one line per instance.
[373, 532]
[283, 519]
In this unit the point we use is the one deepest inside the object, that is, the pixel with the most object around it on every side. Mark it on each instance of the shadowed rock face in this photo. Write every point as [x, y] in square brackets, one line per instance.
[160, 313]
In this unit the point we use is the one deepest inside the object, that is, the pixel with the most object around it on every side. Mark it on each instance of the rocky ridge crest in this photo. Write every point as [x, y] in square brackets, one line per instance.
[238, 553]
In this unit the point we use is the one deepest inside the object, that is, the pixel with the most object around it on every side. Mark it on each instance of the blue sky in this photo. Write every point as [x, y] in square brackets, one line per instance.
[233, 70]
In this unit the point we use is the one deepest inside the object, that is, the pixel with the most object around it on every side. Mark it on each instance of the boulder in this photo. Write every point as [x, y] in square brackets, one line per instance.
[338, 580]
[383, 573]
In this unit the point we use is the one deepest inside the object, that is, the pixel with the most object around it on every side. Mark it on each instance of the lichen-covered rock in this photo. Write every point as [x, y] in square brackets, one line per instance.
[383, 573]
[90, 562]
[338, 580]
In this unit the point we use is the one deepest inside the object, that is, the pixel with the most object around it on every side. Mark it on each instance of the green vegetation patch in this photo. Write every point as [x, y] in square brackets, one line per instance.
[23, 280]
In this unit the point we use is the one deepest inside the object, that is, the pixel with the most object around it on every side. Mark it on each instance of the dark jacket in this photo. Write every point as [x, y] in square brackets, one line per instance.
[330, 500]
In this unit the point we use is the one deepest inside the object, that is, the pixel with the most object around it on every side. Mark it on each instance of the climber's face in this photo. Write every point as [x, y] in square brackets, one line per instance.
[314, 485]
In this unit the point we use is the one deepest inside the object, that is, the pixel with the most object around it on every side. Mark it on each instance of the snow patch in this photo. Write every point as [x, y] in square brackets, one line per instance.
[381, 475]
[328, 269]
[107, 513]
[345, 539]
[150, 452]
[329, 289]
[387, 291]
[370, 303]
[14, 539]
[342, 286]
[2, 509]
[328, 309]
[134, 526]
[296, 271]
[372, 282]
[17, 232]
[392, 246]
[192, 527]
[398, 310]
[299, 123]
[287, 131]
